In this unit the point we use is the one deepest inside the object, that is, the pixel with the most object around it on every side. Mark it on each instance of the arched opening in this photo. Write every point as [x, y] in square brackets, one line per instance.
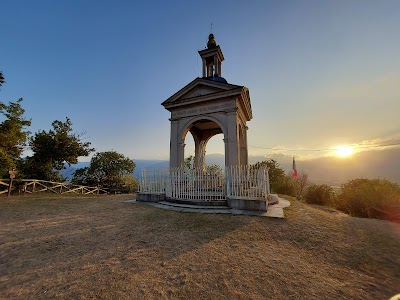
[189, 150]
[215, 150]
[201, 130]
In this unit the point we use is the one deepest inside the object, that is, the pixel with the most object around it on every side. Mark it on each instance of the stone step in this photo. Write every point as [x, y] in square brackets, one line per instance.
[193, 206]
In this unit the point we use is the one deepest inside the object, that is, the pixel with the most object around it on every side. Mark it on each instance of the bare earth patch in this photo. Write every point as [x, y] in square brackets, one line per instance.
[101, 247]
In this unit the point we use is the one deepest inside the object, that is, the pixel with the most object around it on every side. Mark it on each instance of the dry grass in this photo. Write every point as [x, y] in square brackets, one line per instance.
[101, 247]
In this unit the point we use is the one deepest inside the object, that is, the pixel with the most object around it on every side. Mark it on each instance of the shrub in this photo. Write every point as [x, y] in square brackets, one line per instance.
[128, 181]
[281, 183]
[320, 194]
[275, 172]
[286, 185]
[368, 198]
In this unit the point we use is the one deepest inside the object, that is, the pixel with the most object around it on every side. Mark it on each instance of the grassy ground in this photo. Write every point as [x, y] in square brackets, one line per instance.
[102, 247]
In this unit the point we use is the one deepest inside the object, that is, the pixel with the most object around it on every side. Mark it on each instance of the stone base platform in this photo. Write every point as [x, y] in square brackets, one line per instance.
[150, 197]
[274, 211]
[248, 204]
[198, 203]
[259, 205]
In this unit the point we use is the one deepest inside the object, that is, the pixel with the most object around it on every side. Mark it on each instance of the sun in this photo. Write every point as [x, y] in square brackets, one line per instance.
[344, 151]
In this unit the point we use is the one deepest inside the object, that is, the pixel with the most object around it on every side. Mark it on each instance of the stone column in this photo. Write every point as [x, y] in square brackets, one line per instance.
[244, 157]
[201, 155]
[233, 141]
[196, 150]
[226, 144]
[204, 67]
[199, 150]
[173, 151]
[177, 146]
[181, 153]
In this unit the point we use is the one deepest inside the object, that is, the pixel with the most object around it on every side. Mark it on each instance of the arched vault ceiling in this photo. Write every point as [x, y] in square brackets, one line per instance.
[206, 125]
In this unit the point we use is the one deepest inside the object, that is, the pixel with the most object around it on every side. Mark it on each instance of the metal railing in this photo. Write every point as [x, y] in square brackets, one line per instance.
[153, 181]
[242, 182]
[246, 182]
[195, 185]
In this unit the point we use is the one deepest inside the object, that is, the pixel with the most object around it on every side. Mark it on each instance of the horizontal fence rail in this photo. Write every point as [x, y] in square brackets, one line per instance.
[242, 182]
[30, 186]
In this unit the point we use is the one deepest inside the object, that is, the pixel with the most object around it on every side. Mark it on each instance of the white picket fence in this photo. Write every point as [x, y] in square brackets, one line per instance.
[240, 182]
[153, 181]
[245, 182]
[195, 185]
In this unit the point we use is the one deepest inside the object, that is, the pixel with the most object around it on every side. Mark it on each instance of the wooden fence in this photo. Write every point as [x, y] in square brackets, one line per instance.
[30, 186]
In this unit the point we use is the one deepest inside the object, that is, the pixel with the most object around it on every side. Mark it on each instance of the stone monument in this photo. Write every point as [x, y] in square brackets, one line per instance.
[205, 107]
[208, 106]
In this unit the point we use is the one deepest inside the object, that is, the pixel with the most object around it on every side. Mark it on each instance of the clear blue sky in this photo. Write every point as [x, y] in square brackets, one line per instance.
[320, 73]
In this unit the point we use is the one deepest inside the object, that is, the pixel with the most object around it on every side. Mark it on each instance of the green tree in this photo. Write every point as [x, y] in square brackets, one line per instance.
[53, 149]
[109, 169]
[188, 163]
[214, 169]
[276, 174]
[292, 186]
[80, 177]
[1, 78]
[13, 135]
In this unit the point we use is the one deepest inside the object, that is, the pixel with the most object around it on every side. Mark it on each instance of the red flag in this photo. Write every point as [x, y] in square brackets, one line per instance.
[294, 172]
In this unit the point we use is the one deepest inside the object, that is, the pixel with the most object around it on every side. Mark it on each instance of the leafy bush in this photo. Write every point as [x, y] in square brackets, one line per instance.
[107, 169]
[281, 183]
[128, 181]
[320, 194]
[275, 172]
[286, 185]
[368, 198]
[290, 186]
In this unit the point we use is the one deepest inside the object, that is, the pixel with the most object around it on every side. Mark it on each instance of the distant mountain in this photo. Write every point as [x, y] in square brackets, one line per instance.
[324, 170]
[68, 172]
[153, 164]
[384, 164]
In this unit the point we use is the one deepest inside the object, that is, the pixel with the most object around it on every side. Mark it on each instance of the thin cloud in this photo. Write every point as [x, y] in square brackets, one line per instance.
[380, 143]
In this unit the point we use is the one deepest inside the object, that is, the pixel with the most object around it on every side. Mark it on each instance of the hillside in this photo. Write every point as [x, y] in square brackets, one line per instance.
[99, 247]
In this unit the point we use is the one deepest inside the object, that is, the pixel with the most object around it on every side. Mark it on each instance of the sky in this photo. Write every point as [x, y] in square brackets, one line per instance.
[320, 73]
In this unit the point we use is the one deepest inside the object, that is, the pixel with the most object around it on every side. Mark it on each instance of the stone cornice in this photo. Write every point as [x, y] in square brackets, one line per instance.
[194, 83]
[226, 91]
[204, 98]
[208, 52]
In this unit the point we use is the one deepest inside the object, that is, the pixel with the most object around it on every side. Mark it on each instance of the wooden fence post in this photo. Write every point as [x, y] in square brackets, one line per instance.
[12, 176]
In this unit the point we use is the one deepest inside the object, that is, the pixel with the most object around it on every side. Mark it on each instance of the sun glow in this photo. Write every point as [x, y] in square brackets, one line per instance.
[344, 151]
